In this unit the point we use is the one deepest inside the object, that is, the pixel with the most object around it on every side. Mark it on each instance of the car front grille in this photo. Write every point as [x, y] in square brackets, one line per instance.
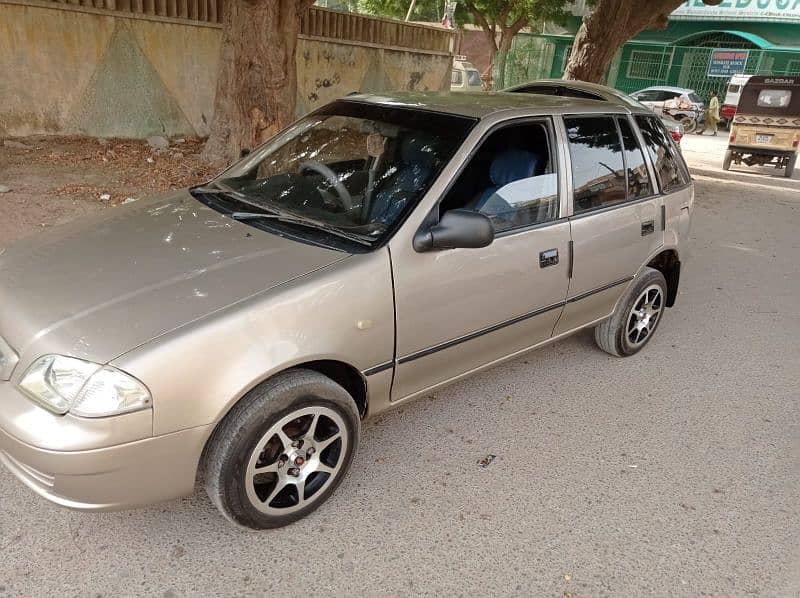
[8, 360]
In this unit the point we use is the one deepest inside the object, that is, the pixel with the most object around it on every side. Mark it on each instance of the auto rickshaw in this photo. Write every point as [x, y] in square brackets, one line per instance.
[766, 128]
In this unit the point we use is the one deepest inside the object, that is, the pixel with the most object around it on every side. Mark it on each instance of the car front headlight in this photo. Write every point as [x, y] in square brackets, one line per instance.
[68, 385]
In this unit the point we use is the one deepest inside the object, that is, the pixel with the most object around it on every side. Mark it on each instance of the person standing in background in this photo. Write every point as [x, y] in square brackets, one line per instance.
[712, 115]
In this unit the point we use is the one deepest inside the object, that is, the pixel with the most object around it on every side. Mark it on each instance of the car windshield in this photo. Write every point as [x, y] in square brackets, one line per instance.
[473, 77]
[350, 171]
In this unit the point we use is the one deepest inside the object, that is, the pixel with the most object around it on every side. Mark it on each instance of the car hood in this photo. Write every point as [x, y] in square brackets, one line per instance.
[97, 288]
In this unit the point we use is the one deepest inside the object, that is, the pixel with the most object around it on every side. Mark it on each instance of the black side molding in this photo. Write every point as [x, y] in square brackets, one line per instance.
[377, 369]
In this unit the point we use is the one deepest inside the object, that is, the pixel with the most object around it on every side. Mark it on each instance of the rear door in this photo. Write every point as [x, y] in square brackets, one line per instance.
[616, 215]
[672, 176]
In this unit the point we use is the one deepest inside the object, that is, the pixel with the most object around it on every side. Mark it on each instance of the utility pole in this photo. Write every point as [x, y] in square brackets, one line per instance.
[410, 9]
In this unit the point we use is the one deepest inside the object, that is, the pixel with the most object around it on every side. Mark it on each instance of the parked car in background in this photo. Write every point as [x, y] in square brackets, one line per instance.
[732, 95]
[592, 91]
[654, 97]
[684, 105]
[464, 76]
[381, 247]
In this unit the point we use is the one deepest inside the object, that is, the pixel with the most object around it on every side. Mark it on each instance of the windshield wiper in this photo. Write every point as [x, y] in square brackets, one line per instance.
[217, 189]
[240, 216]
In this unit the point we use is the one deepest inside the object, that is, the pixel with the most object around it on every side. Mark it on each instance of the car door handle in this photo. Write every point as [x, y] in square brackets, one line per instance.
[648, 227]
[548, 258]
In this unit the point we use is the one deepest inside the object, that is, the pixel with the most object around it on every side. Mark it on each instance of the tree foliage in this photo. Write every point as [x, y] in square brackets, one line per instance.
[501, 20]
[424, 10]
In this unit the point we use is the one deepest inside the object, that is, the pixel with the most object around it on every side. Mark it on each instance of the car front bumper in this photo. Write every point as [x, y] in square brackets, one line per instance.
[115, 477]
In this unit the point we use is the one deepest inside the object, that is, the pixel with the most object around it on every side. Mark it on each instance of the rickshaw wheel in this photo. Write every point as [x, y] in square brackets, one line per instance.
[789, 168]
[726, 162]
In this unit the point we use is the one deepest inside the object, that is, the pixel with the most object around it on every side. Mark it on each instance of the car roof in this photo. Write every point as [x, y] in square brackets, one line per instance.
[480, 104]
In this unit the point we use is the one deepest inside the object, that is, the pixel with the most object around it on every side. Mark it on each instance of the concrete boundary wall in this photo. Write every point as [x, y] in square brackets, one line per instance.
[71, 69]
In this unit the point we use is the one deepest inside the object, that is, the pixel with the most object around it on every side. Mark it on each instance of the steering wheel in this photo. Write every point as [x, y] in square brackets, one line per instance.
[344, 195]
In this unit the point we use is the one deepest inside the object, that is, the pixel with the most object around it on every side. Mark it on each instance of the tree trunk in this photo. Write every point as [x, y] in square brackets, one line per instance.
[506, 37]
[257, 77]
[491, 43]
[608, 27]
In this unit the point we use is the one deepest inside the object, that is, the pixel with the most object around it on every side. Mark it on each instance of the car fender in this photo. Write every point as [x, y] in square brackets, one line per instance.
[344, 313]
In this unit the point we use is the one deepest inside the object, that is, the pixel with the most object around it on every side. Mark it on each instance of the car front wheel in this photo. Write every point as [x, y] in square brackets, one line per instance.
[282, 450]
[636, 317]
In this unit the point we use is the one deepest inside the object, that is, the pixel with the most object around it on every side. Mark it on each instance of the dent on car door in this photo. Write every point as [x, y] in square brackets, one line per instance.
[616, 215]
[460, 309]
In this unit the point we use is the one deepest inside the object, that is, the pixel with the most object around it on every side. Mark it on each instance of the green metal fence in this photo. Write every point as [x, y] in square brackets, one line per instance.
[642, 64]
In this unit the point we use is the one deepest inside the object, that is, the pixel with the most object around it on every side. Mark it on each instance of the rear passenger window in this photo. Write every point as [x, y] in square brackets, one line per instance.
[639, 184]
[670, 168]
[598, 170]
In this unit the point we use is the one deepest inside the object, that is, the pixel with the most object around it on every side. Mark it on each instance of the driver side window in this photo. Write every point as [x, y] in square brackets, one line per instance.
[511, 178]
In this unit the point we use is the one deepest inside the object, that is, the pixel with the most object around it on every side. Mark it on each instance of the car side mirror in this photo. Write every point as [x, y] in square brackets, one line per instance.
[456, 229]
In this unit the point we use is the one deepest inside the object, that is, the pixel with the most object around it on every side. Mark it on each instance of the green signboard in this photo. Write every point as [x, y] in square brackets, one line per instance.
[784, 11]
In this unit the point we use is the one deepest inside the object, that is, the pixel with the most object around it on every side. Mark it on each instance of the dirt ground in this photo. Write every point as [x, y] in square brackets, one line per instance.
[55, 179]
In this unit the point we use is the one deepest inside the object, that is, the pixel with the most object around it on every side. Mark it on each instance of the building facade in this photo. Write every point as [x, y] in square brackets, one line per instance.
[702, 47]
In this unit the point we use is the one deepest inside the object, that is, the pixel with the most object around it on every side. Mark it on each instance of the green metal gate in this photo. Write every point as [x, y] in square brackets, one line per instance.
[641, 64]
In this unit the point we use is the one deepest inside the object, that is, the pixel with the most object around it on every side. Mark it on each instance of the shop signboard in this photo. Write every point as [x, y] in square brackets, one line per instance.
[726, 63]
[783, 11]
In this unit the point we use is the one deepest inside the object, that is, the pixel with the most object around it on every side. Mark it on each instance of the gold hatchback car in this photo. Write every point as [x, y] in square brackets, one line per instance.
[239, 332]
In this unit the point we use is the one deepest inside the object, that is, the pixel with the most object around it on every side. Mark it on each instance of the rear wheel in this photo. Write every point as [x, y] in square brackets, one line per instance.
[636, 317]
[282, 450]
[726, 162]
[789, 168]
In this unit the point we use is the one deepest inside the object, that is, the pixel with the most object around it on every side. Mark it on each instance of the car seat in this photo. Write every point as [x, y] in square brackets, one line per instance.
[507, 166]
[417, 162]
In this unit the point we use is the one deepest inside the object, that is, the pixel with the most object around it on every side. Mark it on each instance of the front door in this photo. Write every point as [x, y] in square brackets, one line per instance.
[460, 309]
[617, 215]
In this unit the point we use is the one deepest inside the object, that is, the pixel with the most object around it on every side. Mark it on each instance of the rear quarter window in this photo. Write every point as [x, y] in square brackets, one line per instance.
[670, 168]
[774, 98]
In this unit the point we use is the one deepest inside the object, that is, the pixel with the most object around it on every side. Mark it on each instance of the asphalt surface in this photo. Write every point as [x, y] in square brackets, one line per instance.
[674, 472]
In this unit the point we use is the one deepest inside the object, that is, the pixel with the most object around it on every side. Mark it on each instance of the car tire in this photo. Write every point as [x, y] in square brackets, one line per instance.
[636, 317]
[789, 168]
[726, 161]
[282, 450]
[689, 124]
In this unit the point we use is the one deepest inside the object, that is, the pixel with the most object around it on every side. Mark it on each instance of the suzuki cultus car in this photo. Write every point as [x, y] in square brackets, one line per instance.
[238, 332]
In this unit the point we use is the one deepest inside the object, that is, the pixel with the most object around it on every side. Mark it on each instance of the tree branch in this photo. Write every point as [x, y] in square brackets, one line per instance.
[518, 25]
[490, 30]
[502, 18]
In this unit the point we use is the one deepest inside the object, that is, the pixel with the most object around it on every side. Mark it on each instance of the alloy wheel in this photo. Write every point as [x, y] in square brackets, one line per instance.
[644, 316]
[296, 460]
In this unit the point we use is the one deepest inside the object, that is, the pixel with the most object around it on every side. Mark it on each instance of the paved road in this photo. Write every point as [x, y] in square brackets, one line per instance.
[674, 472]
